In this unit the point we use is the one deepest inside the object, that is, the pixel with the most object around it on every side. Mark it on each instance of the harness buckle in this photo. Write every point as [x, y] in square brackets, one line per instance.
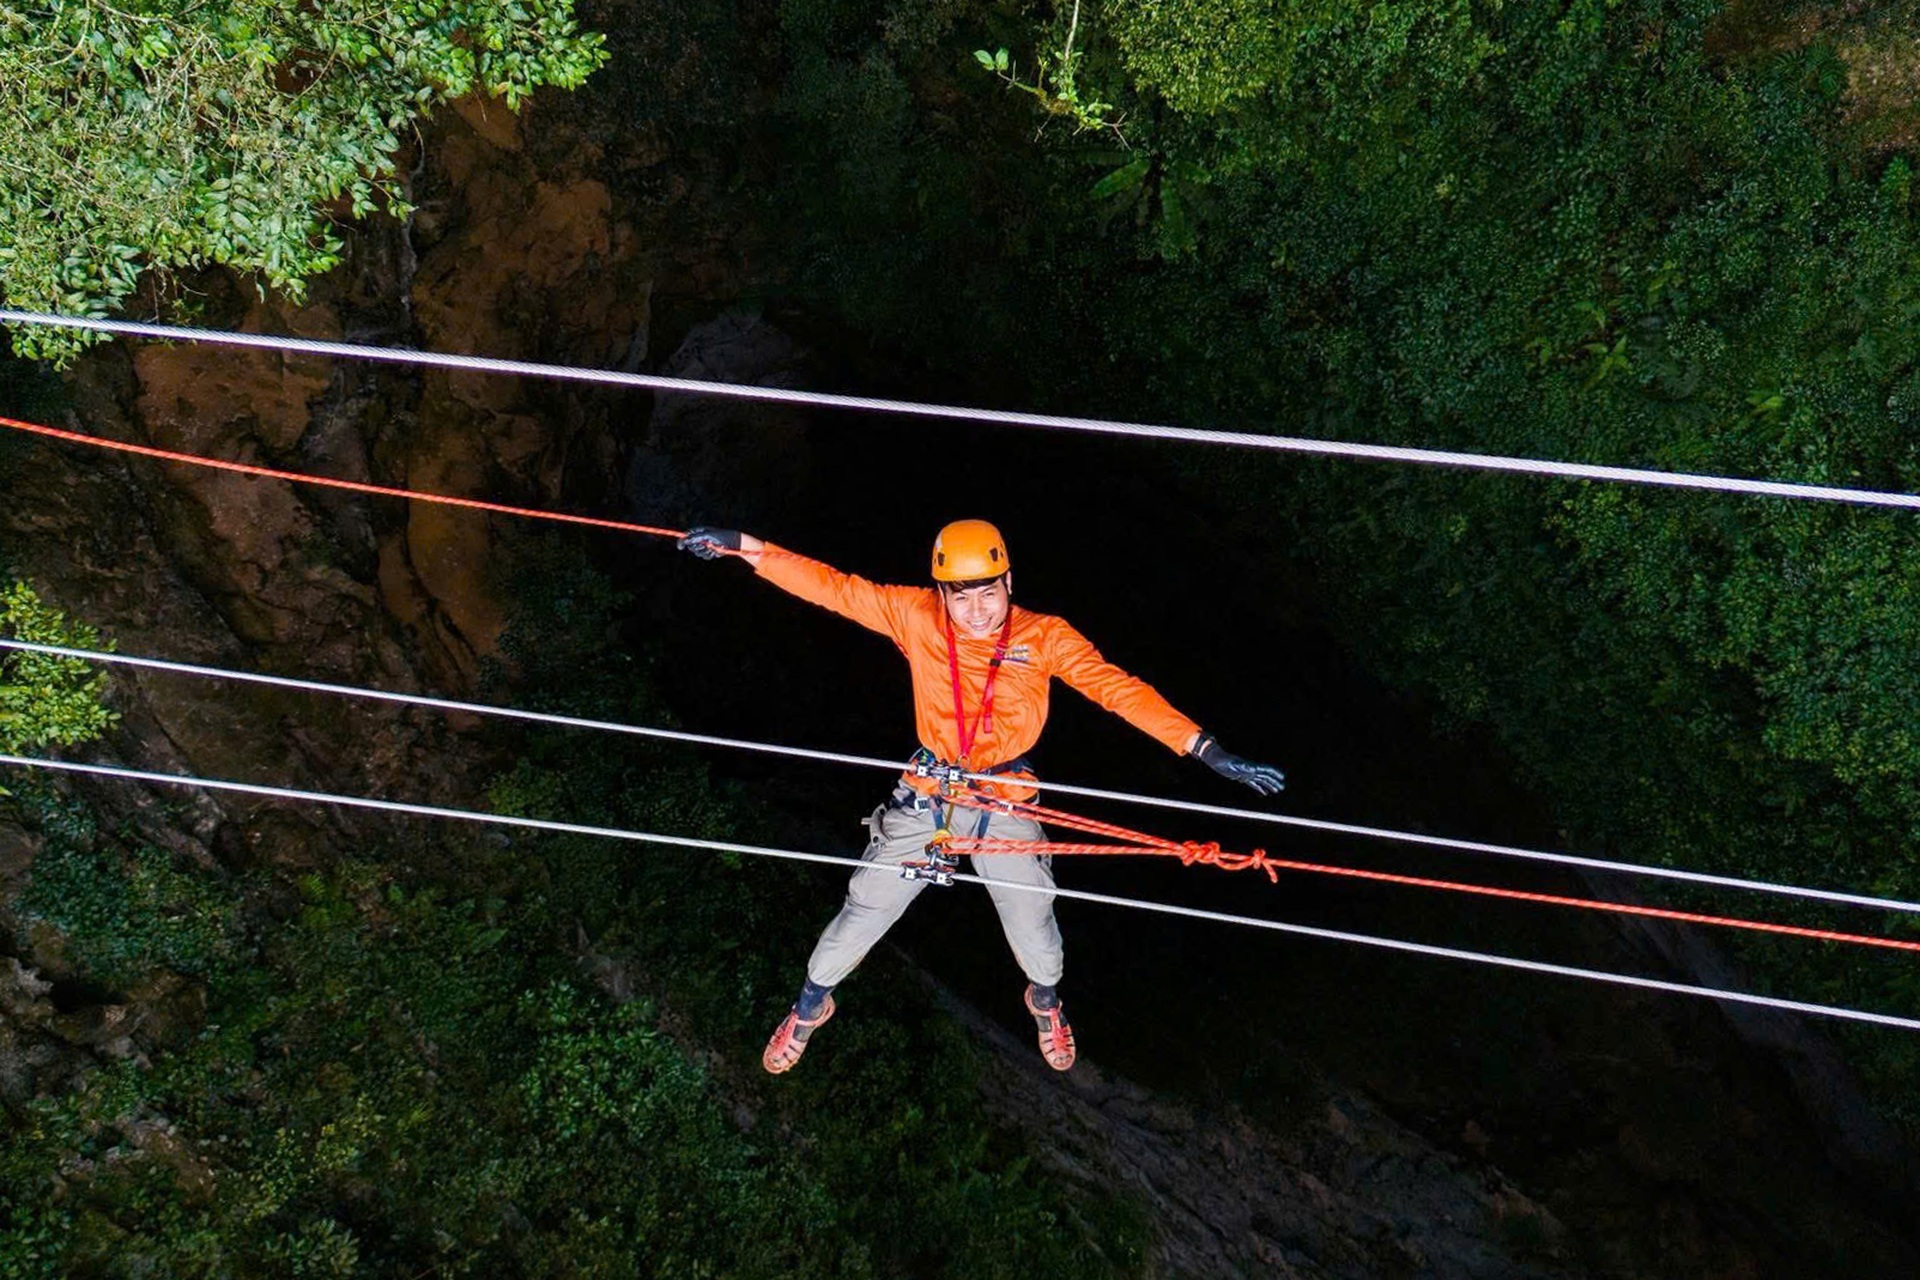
[932, 873]
[951, 775]
[940, 865]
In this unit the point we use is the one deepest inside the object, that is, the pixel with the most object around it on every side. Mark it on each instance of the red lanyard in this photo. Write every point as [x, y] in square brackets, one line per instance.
[985, 719]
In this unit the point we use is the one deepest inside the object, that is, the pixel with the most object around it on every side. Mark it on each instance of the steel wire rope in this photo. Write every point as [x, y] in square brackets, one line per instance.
[840, 757]
[995, 417]
[1078, 895]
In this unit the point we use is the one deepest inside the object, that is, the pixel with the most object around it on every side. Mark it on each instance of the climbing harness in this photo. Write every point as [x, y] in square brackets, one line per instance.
[939, 862]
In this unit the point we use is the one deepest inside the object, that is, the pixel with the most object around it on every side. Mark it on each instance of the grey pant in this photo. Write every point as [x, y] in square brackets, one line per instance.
[876, 898]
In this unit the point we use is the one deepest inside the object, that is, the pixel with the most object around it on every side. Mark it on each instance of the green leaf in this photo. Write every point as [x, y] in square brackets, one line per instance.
[1125, 178]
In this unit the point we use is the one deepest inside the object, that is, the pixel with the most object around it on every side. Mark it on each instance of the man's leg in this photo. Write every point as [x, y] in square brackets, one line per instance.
[875, 899]
[1025, 916]
[1032, 932]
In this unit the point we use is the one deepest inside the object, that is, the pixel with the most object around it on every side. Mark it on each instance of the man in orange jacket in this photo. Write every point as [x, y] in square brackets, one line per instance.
[981, 670]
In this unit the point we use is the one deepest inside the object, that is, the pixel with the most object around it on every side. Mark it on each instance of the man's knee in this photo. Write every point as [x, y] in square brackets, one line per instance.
[879, 887]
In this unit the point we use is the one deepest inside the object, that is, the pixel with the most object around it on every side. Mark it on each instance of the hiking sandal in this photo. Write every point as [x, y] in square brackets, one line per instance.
[1056, 1037]
[790, 1039]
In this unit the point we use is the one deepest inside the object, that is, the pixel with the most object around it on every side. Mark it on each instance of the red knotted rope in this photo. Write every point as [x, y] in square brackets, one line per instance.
[1191, 853]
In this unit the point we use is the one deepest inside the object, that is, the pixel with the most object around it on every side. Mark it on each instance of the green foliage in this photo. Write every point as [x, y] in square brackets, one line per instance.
[36, 1228]
[1055, 85]
[47, 700]
[126, 914]
[1210, 58]
[413, 1058]
[1600, 246]
[170, 137]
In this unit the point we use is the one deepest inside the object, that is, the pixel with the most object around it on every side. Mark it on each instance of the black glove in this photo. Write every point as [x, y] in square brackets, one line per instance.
[1263, 778]
[710, 544]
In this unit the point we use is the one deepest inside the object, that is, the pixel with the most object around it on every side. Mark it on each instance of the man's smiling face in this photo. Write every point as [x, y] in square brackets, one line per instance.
[979, 609]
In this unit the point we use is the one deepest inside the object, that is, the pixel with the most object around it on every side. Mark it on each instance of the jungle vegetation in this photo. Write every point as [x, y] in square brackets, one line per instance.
[1670, 233]
[154, 137]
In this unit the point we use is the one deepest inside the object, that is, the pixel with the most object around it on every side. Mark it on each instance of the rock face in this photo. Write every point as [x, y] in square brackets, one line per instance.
[210, 567]
[727, 462]
[504, 260]
[515, 265]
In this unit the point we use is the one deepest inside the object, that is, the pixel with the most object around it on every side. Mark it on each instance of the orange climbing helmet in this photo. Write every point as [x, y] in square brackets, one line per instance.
[969, 551]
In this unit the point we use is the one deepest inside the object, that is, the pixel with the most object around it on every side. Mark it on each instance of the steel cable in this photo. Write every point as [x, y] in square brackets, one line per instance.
[1078, 895]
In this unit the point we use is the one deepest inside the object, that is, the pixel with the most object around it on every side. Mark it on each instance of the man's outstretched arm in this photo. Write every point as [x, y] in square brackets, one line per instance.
[1077, 662]
[874, 607]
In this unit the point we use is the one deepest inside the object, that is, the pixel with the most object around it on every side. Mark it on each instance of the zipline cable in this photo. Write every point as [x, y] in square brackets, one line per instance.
[996, 417]
[449, 704]
[838, 757]
[1079, 895]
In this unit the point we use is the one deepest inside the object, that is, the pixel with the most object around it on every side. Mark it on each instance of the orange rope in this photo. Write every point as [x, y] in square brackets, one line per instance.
[1193, 853]
[354, 486]
[1211, 855]
[977, 799]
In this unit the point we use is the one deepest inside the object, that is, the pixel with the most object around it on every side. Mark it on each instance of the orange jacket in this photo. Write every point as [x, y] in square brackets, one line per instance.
[1039, 648]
